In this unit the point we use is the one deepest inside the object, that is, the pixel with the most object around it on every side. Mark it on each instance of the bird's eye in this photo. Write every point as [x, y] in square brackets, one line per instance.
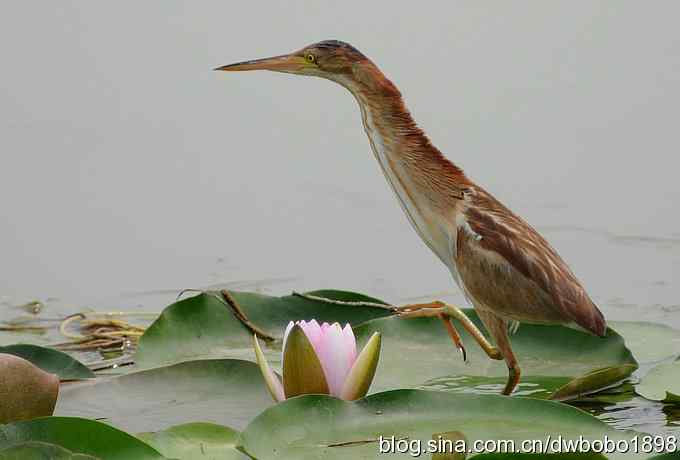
[309, 57]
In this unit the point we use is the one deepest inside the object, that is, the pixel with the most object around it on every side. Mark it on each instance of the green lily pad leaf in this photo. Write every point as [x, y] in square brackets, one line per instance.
[318, 426]
[613, 395]
[26, 391]
[446, 442]
[79, 435]
[227, 392]
[649, 342]
[597, 379]
[274, 313]
[196, 441]
[418, 353]
[560, 456]
[205, 326]
[662, 383]
[40, 450]
[667, 456]
[551, 357]
[50, 360]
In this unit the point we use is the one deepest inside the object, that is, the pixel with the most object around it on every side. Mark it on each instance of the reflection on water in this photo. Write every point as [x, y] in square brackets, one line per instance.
[492, 385]
[637, 414]
[672, 412]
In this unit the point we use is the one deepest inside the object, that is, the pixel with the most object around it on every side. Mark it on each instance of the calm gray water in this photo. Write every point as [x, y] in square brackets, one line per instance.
[130, 170]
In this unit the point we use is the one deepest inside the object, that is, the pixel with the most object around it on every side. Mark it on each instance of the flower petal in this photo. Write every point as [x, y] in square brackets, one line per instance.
[273, 383]
[350, 343]
[334, 357]
[361, 375]
[302, 370]
[313, 332]
[285, 337]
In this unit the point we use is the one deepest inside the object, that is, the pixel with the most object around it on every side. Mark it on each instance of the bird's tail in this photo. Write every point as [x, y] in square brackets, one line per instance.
[593, 321]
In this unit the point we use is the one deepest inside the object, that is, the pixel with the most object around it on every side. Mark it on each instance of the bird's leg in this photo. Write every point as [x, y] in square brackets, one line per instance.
[514, 374]
[498, 328]
[427, 311]
[453, 333]
[445, 312]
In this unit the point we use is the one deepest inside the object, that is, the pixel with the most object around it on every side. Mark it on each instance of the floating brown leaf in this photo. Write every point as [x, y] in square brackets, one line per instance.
[26, 391]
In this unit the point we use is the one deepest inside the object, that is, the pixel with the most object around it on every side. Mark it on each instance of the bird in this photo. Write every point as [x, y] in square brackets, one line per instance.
[502, 265]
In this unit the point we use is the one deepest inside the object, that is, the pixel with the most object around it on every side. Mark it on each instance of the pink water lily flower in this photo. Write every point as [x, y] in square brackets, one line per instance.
[321, 359]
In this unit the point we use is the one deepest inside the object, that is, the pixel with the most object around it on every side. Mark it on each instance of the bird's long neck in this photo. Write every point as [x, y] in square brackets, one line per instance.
[424, 181]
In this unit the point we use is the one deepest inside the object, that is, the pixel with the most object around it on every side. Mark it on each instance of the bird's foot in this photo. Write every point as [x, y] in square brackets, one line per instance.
[445, 312]
[513, 379]
[433, 310]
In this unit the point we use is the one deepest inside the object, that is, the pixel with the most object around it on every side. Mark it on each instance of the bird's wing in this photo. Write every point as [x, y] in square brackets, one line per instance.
[499, 230]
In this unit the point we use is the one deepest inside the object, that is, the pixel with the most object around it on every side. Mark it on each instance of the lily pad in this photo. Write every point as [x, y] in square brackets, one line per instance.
[418, 353]
[50, 360]
[205, 326]
[662, 383]
[196, 441]
[614, 395]
[667, 456]
[649, 342]
[228, 392]
[40, 450]
[79, 435]
[594, 380]
[561, 456]
[315, 426]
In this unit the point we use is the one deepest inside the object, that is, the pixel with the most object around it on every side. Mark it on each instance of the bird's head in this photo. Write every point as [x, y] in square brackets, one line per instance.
[330, 59]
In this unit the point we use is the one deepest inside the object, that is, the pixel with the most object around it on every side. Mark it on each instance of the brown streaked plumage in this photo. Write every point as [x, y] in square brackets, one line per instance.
[504, 267]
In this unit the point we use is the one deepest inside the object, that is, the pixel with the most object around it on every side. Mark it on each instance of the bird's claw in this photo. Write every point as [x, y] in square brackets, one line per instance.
[433, 309]
[464, 353]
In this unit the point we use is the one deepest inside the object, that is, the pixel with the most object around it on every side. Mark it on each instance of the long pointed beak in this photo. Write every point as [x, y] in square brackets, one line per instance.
[284, 63]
